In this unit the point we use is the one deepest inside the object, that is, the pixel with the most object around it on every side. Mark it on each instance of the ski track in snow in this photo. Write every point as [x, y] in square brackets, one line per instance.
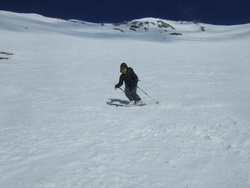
[58, 131]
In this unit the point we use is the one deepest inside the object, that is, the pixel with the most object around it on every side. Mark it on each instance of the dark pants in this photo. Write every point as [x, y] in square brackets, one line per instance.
[130, 92]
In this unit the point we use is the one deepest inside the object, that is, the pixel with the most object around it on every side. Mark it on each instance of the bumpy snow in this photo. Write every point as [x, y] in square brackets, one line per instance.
[58, 131]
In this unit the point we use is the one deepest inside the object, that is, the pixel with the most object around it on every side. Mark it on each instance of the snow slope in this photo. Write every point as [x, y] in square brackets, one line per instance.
[57, 131]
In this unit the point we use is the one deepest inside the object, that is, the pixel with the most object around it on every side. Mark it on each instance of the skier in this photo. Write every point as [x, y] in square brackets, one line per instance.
[130, 78]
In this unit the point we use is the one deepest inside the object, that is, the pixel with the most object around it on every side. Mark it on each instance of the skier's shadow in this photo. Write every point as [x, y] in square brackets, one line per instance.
[119, 101]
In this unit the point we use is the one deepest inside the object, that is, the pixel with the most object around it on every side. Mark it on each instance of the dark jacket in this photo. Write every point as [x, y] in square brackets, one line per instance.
[130, 79]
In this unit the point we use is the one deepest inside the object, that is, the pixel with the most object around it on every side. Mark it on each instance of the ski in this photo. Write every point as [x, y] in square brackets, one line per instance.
[123, 105]
[118, 105]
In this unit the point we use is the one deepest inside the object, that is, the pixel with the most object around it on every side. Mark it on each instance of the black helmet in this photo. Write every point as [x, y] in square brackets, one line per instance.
[124, 65]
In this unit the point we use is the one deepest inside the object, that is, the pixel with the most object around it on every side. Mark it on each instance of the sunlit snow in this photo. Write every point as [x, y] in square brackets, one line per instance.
[56, 129]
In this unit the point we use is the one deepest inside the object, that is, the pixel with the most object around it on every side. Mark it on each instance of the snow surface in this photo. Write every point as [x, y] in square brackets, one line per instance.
[58, 131]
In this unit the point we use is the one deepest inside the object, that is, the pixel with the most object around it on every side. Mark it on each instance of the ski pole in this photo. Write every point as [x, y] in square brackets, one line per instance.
[121, 89]
[157, 102]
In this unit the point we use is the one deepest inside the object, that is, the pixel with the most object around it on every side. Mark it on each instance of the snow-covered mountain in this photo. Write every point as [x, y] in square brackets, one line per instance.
[57, 130]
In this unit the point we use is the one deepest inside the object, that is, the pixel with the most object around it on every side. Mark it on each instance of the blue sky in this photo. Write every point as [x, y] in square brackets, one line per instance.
[222, 12]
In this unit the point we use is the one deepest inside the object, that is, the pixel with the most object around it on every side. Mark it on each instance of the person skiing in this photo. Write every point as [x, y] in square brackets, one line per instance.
[131, 79]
